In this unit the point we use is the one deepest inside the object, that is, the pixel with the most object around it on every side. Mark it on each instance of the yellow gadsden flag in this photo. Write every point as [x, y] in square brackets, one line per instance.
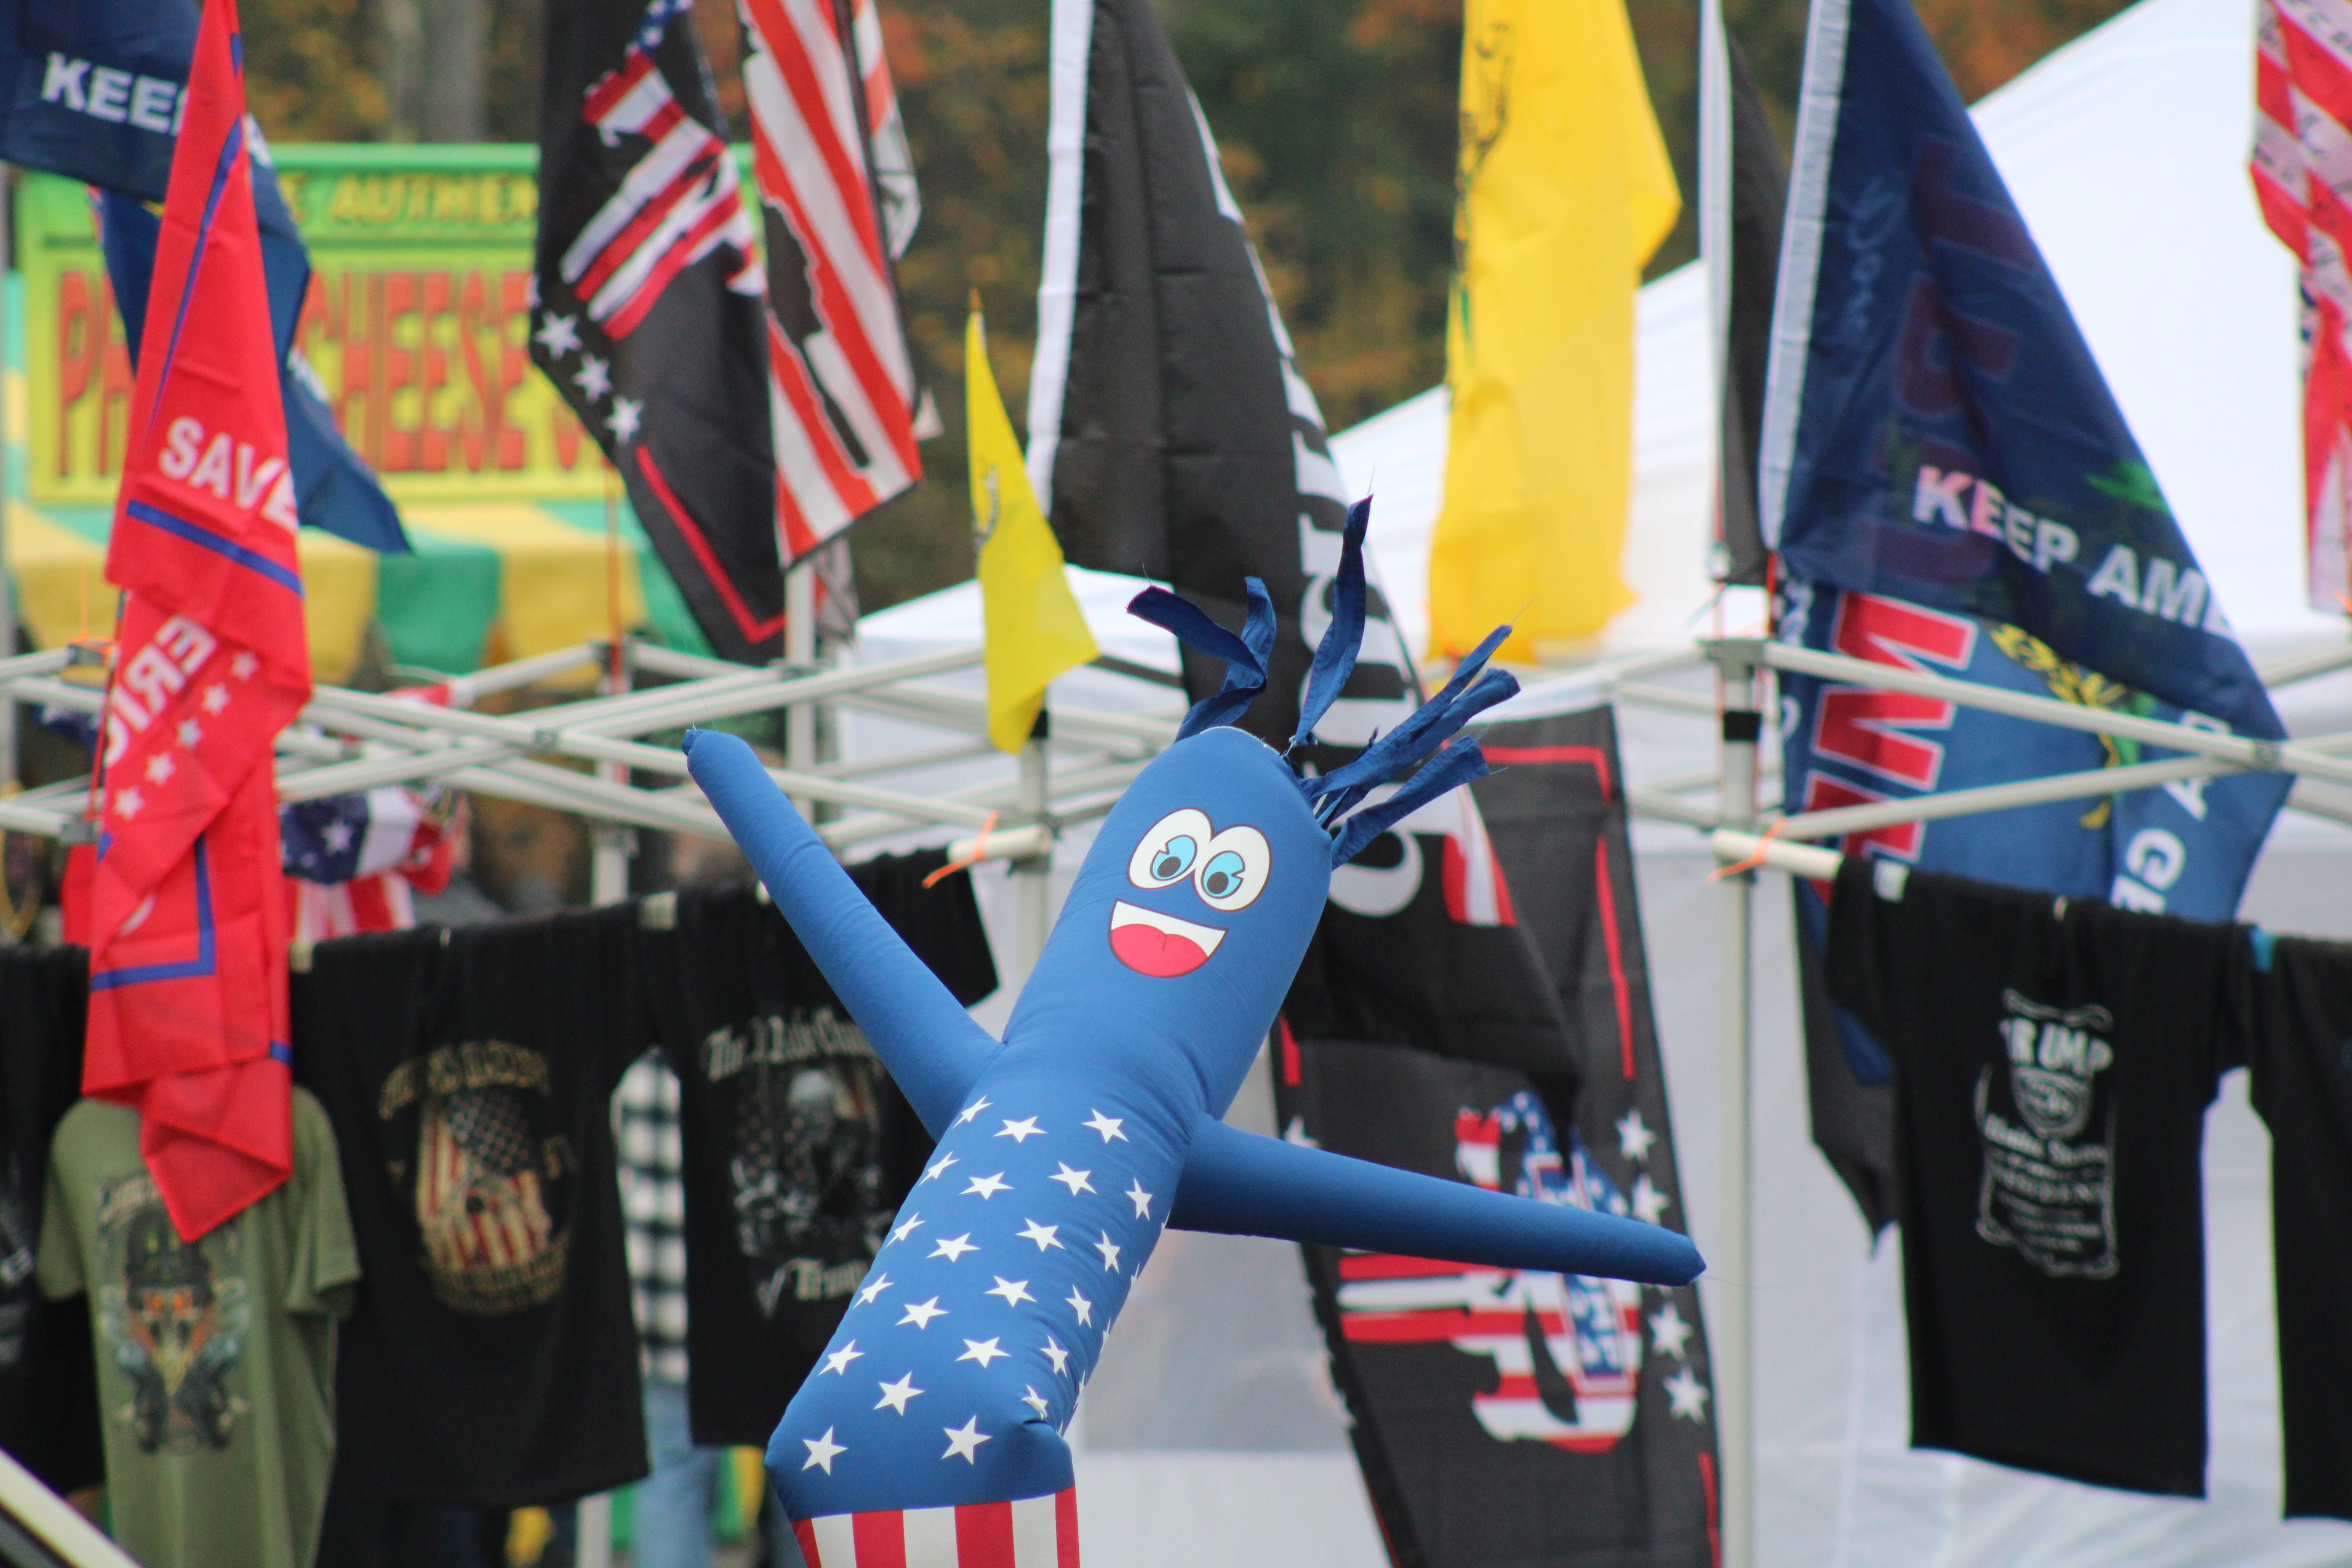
[1563, 192]
[1035, 629]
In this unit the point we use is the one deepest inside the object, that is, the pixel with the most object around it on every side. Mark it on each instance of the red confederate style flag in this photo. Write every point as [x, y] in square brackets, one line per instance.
[188, 1005]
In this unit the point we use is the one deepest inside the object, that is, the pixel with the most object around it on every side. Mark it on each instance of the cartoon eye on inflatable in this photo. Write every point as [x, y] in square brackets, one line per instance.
[1233, 868]
[1169, 850]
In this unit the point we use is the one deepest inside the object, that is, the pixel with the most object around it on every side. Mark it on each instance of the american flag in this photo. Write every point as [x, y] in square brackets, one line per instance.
[837, 196]
[680, 203]
[2303, 177]
[353, 861]
[479, 1203]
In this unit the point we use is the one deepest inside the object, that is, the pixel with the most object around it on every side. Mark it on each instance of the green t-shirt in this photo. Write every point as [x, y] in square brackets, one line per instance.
[216, 1362]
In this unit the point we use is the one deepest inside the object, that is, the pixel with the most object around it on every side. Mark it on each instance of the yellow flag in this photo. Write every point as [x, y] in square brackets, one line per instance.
[1564, 191]
[1035, 629]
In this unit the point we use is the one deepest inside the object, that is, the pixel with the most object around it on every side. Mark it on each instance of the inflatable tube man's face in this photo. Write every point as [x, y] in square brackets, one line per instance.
[1193, 908]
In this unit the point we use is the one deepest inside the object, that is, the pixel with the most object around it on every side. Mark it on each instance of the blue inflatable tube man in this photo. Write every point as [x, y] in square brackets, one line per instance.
[930, 1433]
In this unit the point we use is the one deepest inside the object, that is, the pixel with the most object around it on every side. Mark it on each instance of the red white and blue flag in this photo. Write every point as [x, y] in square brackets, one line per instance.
[2303, 171]
[187, 923]
[354, 862]
[837, 196]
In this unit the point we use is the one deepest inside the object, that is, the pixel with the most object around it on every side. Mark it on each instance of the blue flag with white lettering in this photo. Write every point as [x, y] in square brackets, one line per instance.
[93, 92]
[1935, 427]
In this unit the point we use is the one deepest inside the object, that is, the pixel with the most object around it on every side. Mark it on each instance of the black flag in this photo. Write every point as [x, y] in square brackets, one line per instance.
[1173, 437]
[647, 308]
[1743, 239]
[1508, 1418]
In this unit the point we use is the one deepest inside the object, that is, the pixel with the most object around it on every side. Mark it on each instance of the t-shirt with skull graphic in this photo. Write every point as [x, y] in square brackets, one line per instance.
[468, 1074]
[798, 1147]
[2053, 1063]
[216, 1359]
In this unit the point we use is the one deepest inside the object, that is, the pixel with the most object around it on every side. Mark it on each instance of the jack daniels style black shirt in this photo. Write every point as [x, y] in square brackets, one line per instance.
[469, 1075]
[2053, 1063]
[798, 1147]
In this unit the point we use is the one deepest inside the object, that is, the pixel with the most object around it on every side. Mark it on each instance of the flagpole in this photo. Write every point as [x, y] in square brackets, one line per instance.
[1731, 1334]
[800, 654]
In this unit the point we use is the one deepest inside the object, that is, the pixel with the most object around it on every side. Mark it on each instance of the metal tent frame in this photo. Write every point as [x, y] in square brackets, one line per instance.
[1074, 770]
[345, 741]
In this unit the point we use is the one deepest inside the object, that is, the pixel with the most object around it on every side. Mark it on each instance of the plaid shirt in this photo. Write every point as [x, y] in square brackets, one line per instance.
[653, 1208]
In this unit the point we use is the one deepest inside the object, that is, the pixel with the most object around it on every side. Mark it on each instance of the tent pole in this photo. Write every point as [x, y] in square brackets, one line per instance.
[1033, 873]
[800, 653]
[1732, 1336]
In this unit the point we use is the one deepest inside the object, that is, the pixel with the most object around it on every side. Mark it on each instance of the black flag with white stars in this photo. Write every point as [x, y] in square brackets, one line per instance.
[647, 307]
[1502, 1416]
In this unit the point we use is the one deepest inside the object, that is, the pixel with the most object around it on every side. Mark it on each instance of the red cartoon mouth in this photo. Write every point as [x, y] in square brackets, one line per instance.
[1160, 945]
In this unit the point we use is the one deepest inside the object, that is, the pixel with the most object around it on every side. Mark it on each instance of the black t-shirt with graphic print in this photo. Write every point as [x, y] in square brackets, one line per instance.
[469, 1076]
[48, 1392]
[798, 1147]
[2301, 1053]
[2053, 1069]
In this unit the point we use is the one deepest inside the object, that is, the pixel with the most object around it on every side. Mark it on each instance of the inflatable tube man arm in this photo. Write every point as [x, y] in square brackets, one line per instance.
[919, 1030]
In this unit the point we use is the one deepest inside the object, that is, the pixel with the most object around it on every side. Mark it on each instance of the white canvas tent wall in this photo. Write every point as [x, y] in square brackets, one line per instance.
[2126, 152]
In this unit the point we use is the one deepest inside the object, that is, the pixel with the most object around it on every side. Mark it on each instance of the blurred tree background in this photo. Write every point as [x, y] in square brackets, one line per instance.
[1334, 122]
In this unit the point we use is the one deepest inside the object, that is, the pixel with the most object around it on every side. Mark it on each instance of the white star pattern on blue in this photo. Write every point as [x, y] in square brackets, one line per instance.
[1021, 1131]
[1074, 1180]
[1014, 1292]
[933, 1173]
[841, 1358]
[981, 1351]
[1108, 1126]
[896, 1394]
[1043, 1235]
[922, 1313]
[880, 1283]
[822, 1451]
[954, 1248]
[986, 1187]
[974, 1108]
[1141, 1199]
[906, 1228]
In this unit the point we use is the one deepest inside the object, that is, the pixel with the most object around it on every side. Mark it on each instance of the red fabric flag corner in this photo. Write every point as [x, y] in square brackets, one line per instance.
[188, 907]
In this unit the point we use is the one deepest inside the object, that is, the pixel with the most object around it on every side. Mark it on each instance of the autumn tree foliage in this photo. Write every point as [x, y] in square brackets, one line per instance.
[1336, 122]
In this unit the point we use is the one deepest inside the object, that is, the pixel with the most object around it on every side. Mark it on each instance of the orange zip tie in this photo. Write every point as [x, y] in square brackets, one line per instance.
[979, 853]
[1754, 862]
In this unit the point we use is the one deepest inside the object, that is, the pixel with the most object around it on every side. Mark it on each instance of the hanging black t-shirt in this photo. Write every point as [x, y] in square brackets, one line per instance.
[2300, 1049]
[2053, 1068]
[48, 1388]
[798, 1147]
[469, 1075]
